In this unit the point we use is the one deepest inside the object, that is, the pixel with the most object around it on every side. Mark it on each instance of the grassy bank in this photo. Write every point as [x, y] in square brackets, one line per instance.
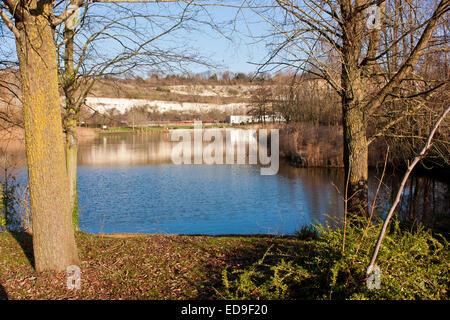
[131, 130]
[131, 267]
[156, 129]
[414, 265]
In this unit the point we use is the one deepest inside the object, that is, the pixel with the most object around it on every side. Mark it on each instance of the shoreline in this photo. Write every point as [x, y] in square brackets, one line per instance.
[168, 267]
[127, 235]
[302, 145]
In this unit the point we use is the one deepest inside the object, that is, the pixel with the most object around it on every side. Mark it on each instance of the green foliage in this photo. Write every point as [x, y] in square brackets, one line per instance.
[8, 201]
[2, 217]
[307, 232]
[12, 201]
[264, 280]
[2, 221]
[75, 214]
[163, 89]
[414, 265]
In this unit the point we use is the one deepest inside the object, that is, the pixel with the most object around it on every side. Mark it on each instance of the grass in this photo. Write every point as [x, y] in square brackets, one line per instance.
[413, 265]
[131, 267]
[311, 265]
[131, 129]
[156, 128]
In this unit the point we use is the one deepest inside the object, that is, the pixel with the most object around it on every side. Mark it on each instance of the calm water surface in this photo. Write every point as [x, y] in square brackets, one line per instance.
[128, 183]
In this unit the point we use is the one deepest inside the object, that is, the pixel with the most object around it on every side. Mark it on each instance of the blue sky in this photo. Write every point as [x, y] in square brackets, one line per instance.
[240, 51]
[234, 54]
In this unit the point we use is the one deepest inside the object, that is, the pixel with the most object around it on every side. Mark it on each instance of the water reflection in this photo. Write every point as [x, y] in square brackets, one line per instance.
[126, 149]
[216, 199]
[239, 146]
[128, 183]
[425, 199]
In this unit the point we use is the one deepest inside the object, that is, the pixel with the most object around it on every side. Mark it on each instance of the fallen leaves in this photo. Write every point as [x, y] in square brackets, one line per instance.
[132, 267]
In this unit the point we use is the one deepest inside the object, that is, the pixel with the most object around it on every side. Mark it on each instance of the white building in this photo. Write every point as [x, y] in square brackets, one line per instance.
[242, 119]
[252, 119]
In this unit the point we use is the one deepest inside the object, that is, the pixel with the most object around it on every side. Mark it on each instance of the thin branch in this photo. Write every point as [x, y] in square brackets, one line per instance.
[390, 87]
[10, 24]
[402, 186]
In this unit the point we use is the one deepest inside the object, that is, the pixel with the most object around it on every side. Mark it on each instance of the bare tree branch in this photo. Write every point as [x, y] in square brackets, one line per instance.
[402, 186]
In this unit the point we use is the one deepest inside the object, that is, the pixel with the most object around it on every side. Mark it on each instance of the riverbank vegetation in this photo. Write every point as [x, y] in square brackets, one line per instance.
[414, 264]
[315, 264]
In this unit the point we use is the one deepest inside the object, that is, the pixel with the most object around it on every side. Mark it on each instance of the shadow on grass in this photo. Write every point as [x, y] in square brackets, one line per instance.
[25, 240]
[272, 250]
[237, 258]
[3, 294]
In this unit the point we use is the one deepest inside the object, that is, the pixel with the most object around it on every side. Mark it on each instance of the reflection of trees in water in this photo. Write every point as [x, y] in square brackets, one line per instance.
[155, 148]
[125, 149]
[322, 201]
[424, 199]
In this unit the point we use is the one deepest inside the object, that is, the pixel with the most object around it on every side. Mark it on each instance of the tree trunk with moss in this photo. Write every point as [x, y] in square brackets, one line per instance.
[70, 125]
[53, 234]
[71, 161]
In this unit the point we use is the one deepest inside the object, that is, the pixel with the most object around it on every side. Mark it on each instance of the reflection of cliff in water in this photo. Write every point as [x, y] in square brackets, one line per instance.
[141, 149]
[425, 198]
[126, 149]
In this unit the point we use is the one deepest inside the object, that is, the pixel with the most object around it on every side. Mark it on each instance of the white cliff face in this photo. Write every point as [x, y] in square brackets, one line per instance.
[235, 147]
[101, 105]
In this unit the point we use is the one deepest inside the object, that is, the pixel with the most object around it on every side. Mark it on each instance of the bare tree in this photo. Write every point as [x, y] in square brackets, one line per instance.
[358, 49]
[305, 99]
[53, 235]
[411, 166]
[261, 102]
[33, 25]
[82, 59]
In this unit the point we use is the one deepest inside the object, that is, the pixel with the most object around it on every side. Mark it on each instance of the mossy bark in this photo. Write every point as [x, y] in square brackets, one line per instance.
[71, 163]
[54, 243]
[70, 124]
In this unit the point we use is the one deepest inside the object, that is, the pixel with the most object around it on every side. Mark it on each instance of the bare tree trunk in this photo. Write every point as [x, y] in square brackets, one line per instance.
[70, 125]
[71, 163]
[53, 235]
[355, 158]
[356, 148]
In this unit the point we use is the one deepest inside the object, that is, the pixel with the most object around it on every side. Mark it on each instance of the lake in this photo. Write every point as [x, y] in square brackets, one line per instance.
[128, 183]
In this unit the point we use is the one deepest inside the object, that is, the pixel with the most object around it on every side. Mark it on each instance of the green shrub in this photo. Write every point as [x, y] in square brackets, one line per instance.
[8, 201]
[307, 232]
[2, 221]
[2, 216]
[163, 89]
[414, 265]
[233, 92]
[263, 280]
[14, 205]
